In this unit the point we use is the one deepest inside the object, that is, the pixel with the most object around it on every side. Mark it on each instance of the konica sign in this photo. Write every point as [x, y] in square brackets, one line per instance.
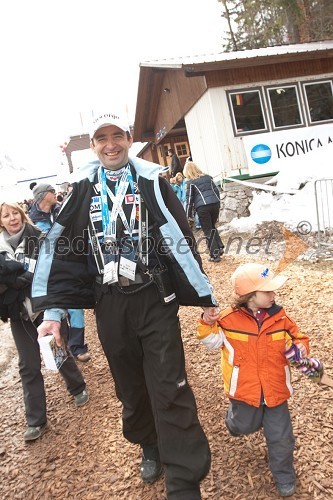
[269, 152]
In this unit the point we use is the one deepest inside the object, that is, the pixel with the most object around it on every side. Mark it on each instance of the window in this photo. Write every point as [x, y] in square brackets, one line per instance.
[247, 111]
[162, 152]
[319, 97]
[181, 149]
[284, 106]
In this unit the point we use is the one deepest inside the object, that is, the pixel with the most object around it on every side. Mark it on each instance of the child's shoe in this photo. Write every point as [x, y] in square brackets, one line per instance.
[286, 490]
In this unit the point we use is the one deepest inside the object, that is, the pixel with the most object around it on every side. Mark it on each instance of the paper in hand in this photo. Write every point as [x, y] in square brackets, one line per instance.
[53, 355]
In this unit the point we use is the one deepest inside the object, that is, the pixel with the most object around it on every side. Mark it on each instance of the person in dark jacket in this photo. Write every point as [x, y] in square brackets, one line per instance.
[175, 166]
[43, 213]
[45, 208]
[125, 204]
[203, 197]
[18, 241]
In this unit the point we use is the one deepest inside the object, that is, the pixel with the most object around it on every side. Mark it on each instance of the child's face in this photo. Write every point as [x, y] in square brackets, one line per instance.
[262, 300]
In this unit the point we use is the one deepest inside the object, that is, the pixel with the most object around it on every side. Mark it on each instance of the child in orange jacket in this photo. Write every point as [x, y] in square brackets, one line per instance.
[254, 335]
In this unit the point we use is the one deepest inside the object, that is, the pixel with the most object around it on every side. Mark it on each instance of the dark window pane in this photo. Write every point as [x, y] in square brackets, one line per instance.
[247, 111]
[284, 106]
[320, 101]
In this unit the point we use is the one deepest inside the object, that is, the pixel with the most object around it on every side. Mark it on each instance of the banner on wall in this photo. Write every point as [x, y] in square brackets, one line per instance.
[270, 152]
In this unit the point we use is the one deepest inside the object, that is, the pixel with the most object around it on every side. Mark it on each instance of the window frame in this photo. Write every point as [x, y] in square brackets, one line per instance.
[306, 83]
[260, 92]
[181, 143]
[299, 102]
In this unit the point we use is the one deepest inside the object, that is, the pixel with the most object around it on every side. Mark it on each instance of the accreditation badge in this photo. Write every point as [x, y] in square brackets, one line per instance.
[111, 260]
[128, 260]
[29, 264]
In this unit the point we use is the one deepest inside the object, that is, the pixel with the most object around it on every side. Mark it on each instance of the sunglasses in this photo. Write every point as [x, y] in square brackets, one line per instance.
[53, 191]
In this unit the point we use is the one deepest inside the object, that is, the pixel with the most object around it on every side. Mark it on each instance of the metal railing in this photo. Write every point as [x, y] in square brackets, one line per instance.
[324, 207]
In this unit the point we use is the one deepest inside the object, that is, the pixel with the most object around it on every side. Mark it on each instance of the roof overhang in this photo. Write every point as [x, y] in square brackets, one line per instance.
[152, 74]
[244, 58]
[76, 143]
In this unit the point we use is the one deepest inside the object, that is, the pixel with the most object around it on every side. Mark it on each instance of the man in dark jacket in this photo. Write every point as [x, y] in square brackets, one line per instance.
[45, 208]
[175, 166]
[125, 204]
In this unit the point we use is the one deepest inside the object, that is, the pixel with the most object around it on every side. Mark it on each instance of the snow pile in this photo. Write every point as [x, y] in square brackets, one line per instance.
[316, 164]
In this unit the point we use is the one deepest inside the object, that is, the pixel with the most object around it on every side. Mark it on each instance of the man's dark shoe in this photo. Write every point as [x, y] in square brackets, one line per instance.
[151, 467]
[33, 433]
[82, 398]
[214, 259]
[83, 357]
[150, 470]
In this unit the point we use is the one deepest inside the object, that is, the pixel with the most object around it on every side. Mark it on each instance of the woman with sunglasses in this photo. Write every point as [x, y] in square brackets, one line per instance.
[18, 244]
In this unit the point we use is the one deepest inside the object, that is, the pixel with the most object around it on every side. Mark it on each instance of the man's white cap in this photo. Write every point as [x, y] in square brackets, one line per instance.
[104, 119]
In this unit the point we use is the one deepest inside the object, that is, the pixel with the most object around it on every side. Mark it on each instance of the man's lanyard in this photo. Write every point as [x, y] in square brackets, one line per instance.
[143, 232]
[109, 221]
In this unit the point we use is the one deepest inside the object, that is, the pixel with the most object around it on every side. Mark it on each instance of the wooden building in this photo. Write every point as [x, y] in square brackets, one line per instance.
[239, 114]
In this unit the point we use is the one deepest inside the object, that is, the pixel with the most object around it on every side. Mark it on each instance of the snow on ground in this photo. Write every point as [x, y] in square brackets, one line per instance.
[288, 209]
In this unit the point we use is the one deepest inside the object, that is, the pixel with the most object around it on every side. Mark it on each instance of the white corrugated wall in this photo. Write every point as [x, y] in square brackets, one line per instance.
[213, 145]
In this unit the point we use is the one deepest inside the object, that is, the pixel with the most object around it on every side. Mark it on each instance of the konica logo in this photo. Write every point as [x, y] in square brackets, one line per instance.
[261, 153]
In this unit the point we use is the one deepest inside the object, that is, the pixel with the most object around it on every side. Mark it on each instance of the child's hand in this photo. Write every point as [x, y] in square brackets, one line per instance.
[302, 350]
[296, 353]
[210, 315]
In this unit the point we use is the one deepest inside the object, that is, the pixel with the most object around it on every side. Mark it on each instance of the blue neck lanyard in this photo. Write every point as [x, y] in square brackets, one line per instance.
[109, 221]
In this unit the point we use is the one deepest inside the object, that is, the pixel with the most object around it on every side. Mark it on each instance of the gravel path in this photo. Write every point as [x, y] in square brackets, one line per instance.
[84, 456]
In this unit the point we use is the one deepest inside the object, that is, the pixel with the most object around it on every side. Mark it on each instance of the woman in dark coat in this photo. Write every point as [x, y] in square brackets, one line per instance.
[18, 244]
[203, 197]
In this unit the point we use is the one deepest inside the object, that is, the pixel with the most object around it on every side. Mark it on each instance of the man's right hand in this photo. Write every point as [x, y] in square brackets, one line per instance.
[49, 327]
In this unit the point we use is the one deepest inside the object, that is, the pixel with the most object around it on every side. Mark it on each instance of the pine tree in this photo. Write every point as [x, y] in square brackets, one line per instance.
[261, 23]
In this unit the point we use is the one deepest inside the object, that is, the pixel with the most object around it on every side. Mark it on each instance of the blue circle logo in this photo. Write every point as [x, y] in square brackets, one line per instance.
[261, 153]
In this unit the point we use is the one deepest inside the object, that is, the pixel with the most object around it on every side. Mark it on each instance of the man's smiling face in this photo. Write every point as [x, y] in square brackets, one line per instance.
[111, 145]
